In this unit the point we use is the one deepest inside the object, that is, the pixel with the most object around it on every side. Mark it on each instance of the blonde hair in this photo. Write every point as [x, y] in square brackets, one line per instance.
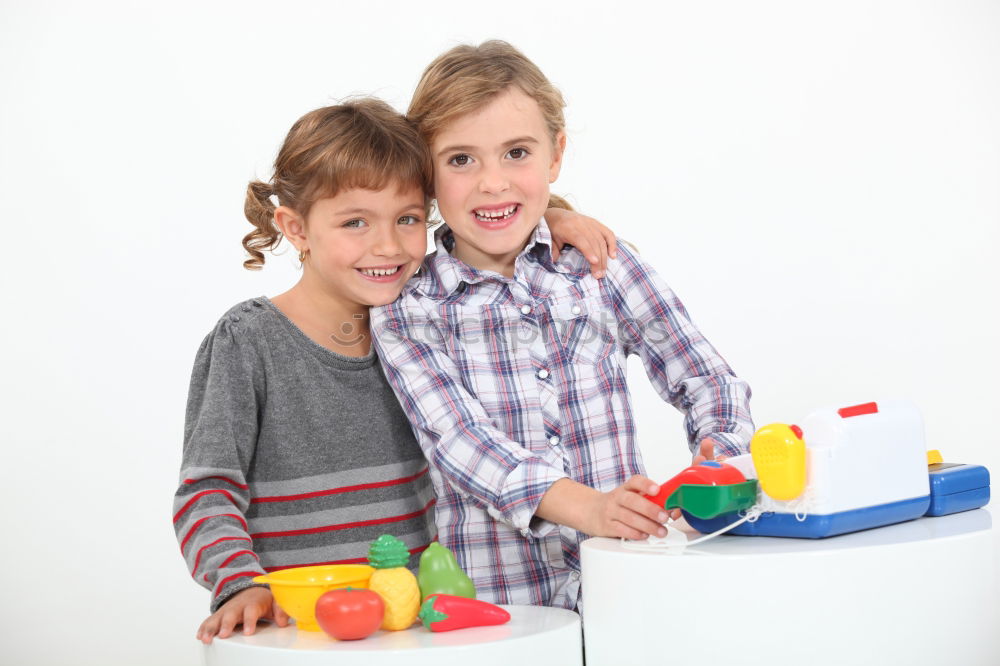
[362, 143]
[466, 78]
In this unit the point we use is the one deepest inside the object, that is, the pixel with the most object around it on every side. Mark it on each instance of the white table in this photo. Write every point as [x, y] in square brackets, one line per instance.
[921, 592]
[533, 635]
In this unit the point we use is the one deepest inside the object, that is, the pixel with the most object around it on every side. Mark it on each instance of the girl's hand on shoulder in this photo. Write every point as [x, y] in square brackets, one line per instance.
[245, 607]
[626, 512]
[594, 240]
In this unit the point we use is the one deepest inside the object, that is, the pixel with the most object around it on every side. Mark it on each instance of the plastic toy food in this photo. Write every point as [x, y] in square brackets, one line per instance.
[779, 456]
[440, 574]
[350, 614]
[445, 612]
[394, 582]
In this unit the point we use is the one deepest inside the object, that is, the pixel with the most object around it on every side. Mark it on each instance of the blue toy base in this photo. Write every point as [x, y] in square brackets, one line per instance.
[817, 526]
[956, 487]
[942, 505]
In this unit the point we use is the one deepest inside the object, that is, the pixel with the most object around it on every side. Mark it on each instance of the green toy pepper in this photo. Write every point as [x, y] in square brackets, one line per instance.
[440, 574]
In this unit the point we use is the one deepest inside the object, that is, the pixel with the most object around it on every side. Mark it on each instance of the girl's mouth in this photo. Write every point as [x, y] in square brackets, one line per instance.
[496, 218]
[385, 274]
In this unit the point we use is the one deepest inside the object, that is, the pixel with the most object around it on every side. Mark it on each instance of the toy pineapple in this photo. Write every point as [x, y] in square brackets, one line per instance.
[394, 582]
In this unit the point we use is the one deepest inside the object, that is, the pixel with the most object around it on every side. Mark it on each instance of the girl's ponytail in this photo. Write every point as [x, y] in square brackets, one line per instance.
[259, 210]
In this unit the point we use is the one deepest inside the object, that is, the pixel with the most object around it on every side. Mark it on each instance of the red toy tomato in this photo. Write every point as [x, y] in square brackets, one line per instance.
[350, 613]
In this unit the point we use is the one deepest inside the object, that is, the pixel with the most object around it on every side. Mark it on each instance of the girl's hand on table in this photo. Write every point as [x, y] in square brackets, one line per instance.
[245, 607]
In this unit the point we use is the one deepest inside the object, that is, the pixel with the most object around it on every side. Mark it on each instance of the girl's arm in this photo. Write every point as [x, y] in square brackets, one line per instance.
[684, 368]
[594, 240]
[220, 436]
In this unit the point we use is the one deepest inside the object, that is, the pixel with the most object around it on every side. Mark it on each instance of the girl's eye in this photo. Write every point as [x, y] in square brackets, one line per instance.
[517, 153]
[460, 160]
[409, 219]
[354, 224]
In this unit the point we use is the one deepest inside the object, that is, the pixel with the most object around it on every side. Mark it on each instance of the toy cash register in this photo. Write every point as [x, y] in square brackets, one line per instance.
[843, 470]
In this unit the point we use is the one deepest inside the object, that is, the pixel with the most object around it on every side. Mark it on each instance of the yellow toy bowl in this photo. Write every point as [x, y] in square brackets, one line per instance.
[298, 589]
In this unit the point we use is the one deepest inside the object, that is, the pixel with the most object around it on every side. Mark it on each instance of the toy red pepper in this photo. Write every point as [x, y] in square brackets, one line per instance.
[444, 612]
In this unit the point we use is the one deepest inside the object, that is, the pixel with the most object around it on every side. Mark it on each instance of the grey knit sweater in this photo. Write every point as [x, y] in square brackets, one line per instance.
[293, 455]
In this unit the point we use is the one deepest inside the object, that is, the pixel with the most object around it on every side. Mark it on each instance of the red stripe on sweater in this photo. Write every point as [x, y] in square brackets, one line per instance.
[241, 486]
[199, 496]
[202, 520]
[222, 583]
[344, 489]
[233, 557]
[197, 558]
[352, 560]
[237, 554]
[345, 526]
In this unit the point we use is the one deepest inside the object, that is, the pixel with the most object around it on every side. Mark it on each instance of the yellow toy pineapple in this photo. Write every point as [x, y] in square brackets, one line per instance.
[394, 582]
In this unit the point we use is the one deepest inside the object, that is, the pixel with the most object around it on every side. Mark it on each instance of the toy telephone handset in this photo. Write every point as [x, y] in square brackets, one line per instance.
[779, 457]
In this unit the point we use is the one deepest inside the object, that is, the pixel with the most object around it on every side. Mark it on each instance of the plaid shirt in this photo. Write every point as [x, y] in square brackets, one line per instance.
[514, 383]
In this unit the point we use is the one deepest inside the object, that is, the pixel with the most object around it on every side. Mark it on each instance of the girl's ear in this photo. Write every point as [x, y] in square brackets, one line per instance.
[557, 154]
[292, 227]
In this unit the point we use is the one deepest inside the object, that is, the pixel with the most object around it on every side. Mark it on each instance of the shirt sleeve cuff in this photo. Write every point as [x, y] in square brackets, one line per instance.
[727, 444]
[232, 588]
[520, 495]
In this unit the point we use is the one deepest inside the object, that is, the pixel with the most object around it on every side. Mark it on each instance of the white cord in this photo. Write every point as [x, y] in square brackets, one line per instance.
[664, 544]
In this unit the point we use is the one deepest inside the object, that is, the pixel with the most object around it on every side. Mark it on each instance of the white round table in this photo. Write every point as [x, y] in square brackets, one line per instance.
[548, 635]
[921, 592]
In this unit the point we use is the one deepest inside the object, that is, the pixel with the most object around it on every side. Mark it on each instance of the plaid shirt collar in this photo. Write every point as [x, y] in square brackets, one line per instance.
[450, 273]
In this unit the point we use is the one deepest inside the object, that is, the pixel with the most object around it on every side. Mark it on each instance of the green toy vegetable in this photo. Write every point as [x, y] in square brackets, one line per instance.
[444, 612]
[439, 573]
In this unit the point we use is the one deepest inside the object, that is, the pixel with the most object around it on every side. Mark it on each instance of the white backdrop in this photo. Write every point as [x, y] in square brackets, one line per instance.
[819, 182]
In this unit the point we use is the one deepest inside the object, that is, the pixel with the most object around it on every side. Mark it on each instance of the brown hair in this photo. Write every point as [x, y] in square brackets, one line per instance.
[466, 78]
[362, 143]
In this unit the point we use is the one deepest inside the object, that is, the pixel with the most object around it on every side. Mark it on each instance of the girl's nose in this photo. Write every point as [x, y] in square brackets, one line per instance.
[387, 242]
[493, 180]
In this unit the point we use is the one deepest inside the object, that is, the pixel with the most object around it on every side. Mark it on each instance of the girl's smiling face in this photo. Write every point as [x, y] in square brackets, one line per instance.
[363, 245]
[492, 170]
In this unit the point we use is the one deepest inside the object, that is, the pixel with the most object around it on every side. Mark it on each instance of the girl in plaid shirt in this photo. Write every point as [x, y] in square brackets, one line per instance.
[511, 366]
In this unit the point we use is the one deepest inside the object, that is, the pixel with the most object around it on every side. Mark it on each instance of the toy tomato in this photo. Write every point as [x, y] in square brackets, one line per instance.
[350, 613]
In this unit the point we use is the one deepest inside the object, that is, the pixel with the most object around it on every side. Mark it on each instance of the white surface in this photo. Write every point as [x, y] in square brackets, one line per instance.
[818, 181]
[919, 593]
[546, 635]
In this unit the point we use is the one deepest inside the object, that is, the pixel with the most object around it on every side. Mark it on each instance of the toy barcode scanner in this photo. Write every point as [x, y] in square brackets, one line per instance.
[779, 456]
